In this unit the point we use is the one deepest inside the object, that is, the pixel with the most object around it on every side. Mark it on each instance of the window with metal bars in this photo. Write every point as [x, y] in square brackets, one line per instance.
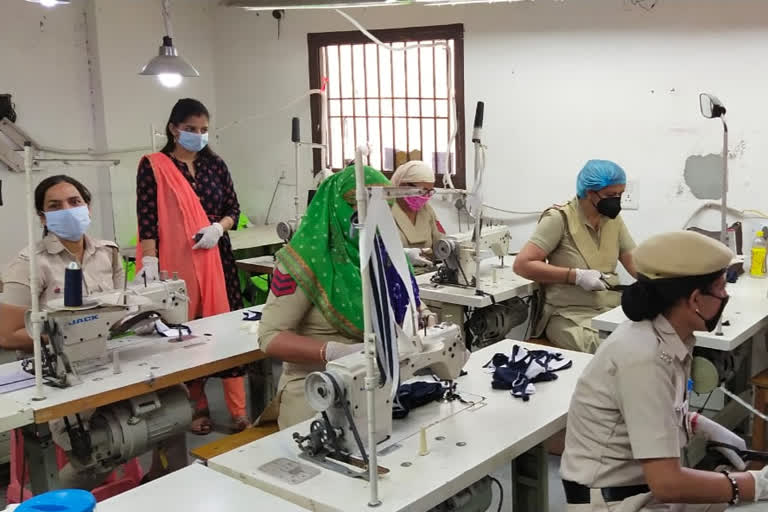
[397, 101]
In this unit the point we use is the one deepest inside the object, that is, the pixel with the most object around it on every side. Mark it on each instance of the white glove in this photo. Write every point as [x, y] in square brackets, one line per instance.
[427, 318]
[149, 268]
[761, 484]
[713, 431]
[335, 350]
[210, 236]
[416, 259]
[590, 280]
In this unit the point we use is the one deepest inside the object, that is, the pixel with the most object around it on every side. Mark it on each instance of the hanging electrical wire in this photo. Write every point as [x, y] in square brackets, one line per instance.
[747, 214]
[272, 113]
[513, 212]
[453, 123]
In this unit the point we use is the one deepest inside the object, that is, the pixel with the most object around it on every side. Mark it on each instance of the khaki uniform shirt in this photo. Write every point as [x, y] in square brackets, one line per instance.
[629, 405]
[102, 270]
[292, 310]
[421, 235]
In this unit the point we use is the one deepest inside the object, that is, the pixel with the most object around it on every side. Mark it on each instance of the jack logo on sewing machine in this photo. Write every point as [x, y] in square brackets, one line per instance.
[82, 320]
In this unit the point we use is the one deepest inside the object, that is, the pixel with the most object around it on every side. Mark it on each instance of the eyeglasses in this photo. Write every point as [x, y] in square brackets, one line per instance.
[428, 193]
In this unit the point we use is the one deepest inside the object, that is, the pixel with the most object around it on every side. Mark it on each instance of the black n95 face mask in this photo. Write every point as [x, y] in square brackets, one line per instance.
[711, 323]
[609, 207]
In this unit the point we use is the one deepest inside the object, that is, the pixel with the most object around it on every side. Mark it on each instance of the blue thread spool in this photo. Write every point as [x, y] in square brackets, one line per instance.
[73, 286]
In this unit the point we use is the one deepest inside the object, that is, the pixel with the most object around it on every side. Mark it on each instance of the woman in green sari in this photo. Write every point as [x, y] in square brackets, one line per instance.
[314, 312]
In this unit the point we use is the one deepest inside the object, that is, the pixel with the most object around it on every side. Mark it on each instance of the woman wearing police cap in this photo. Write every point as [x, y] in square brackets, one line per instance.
[629, 417]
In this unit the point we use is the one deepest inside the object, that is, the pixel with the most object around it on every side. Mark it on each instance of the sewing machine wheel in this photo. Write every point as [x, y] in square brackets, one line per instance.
[320, 391]
[443, 249]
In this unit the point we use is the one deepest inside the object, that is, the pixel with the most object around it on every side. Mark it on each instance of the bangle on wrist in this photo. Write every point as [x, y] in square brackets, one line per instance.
[735, 492]
[322, 352]
[568, 276]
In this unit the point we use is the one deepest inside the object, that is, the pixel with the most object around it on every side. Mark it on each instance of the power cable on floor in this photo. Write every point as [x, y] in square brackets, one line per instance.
[501, 493]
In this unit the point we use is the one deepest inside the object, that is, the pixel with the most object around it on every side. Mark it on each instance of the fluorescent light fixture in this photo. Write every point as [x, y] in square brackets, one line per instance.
[438, 3]
[271, 5]
[169, 67]
[50, 3]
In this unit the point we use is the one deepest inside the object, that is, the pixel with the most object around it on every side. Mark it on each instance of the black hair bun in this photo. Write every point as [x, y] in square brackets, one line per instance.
[639, 301]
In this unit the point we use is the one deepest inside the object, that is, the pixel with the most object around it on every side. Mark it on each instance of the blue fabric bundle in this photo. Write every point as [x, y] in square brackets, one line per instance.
[519, 371]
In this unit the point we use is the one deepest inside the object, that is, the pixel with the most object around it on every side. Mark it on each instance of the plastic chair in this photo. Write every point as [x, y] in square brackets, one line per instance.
[113, 485]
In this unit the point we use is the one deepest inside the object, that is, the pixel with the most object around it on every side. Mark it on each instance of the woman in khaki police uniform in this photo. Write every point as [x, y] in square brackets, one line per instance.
[573, 256]
[414, 217]
[629, 417]
[64, 207]
[63, 204]
[314, 311]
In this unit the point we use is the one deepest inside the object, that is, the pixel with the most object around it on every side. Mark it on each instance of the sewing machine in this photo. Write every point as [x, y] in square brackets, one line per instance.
[78, 336]
[338, 394]
[457, 253]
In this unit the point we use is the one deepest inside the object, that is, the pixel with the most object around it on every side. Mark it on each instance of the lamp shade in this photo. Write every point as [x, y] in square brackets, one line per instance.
[169, 62]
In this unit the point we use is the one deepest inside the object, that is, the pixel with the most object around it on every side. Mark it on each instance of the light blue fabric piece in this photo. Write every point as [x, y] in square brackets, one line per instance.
[64, 500]
[598, 174]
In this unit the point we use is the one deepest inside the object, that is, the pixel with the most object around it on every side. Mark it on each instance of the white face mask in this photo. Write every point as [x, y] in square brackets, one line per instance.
[68, 224]
[193, 141]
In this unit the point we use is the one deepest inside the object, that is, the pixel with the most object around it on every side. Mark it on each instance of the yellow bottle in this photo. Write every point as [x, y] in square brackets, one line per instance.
[757, 267]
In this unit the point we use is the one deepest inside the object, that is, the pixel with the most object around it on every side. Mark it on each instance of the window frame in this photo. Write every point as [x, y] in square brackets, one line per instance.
[316, 41]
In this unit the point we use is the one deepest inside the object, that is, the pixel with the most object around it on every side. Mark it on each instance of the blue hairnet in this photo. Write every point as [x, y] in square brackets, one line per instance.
[598, 174]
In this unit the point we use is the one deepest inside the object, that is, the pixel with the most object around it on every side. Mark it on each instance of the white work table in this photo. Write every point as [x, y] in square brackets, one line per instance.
[257, 265]
[195, 489]
[147, 364]
[497, 283]
[14, 414]
[254, 236]
[242, 239]
[747, 313]
[476, 441]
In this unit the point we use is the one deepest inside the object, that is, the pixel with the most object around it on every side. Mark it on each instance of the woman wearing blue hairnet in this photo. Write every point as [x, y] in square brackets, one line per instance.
[573, 256]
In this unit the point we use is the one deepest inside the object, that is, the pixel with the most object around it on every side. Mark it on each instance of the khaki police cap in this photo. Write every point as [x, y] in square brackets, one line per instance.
[680, 254]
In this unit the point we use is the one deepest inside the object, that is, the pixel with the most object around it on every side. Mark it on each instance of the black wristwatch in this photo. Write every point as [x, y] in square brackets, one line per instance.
[735, 493]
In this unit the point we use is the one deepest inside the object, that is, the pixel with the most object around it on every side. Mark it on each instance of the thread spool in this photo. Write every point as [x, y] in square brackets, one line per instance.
[73, 286]
[116, 362]
[423, 450]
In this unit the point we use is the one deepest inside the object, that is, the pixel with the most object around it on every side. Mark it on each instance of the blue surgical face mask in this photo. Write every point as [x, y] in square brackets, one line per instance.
[193, 141]
[70, 224]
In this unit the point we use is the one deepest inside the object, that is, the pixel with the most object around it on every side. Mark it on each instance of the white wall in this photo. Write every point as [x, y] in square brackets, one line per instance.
[562, 82]
[43, 64]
